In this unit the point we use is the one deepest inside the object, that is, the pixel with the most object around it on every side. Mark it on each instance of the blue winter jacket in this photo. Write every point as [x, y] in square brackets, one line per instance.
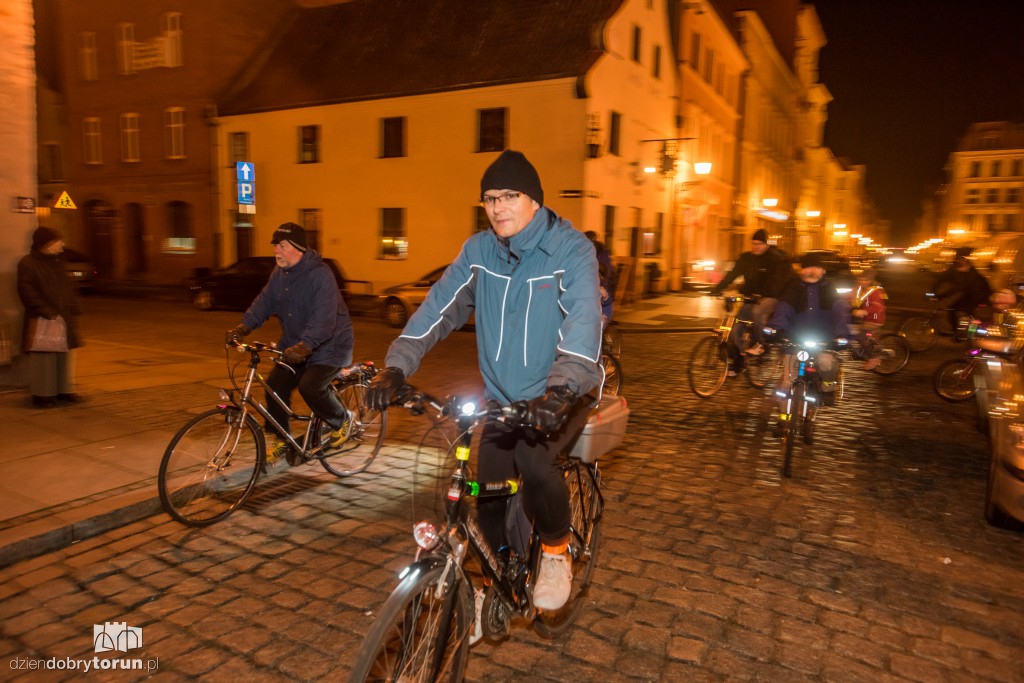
[306, 300]
[537, 306]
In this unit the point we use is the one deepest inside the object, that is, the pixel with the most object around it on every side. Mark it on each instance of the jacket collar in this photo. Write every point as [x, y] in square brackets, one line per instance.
[534, 236]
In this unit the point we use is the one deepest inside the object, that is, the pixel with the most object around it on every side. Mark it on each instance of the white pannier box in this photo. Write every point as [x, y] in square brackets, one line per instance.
[604, 429]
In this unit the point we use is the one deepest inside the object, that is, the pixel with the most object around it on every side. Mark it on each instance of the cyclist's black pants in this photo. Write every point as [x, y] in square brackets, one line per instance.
[313, 382]
[504, 453]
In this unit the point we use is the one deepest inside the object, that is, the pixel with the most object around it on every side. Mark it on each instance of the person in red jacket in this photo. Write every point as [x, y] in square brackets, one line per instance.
[869, 315]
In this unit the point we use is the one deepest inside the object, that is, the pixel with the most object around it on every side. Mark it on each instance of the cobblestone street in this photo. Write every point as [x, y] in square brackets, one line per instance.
[872, 563]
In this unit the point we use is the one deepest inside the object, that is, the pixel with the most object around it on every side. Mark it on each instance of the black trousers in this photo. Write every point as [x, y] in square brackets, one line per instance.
[313, 382]
[502, 454]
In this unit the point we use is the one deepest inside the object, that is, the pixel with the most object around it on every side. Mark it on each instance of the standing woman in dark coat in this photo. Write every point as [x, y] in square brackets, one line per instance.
[46, 291]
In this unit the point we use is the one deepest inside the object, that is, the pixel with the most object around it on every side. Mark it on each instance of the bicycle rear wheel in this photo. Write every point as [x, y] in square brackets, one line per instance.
[211, 466]
[421, 633]
[765, 369]
[895, 353]
[709, 362]
[919, 333]
[954, 379]
[613, 378]
[586, 506]
[366, 433]
[793, 427]
[611, 340]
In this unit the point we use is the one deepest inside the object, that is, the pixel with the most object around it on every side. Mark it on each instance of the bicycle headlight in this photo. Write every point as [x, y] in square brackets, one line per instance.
[426, 536]
[468, 408]
[802, 355]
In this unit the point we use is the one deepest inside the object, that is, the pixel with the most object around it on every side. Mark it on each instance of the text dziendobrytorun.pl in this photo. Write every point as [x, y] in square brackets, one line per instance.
[85, 665]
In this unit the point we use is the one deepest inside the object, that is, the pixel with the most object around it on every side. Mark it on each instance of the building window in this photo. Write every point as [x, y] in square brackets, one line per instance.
[130, 138]
[975, 169]
[310, 219]
[1012, 222]
[173, 54]
[93, 149]
[480, 220]
[174, 133]
[695, 52]
[656, 59]
[1012, 195]
[491, 129]
[992, 196]
[126, 49]
[709, 65]
[992, 222]
[51, 162]
[972, 195]
[638, 35]
[1016, 167]
[609, 226]
[239, 147]
[392, 137]
[87, 56]
[996, 167]
[180, 239]
[393, 243]
[614, 133]
[309, 144]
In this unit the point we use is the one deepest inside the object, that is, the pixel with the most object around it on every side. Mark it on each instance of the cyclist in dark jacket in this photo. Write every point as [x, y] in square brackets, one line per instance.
[532, 283]
[317, 335]
[765, 270]
[962, 287]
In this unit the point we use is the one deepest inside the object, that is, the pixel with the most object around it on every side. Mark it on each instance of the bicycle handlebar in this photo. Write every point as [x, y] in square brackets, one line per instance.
[515, 414]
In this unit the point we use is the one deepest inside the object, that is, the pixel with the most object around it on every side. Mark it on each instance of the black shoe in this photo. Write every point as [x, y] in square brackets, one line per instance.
[69, 398]
[44, 401]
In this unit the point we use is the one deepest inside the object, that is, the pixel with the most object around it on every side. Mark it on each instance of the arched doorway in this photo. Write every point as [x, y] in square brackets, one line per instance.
[99, 218]
[135, 229]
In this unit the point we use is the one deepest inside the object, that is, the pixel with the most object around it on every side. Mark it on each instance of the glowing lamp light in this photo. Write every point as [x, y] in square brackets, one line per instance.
[770, 202]
[650, 169]
[702, 167]
[840, 226]
[813, 213]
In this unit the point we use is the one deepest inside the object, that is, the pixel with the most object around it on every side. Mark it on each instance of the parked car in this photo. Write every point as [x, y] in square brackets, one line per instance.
[81, 270]
[397, 303]
[235, 286]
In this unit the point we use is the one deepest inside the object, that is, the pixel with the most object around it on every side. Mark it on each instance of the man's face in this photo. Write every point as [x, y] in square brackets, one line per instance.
[758, 248]
[286, 255]
[812, 273]
[962, 264]
[509, 211]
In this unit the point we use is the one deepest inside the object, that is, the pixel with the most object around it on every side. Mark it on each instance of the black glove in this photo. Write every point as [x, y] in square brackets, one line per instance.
[294, 355]
[550, 411]
[383, 387]
[235, 335]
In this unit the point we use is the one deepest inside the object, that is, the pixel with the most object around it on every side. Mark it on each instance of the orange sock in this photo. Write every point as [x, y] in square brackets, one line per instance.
[559, 549]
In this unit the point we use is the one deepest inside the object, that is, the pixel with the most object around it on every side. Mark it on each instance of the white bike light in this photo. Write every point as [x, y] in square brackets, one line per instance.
[802, 355]
[468, 408]
[426, 536]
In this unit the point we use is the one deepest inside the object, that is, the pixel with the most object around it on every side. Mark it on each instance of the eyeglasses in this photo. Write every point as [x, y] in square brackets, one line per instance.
[504, 198]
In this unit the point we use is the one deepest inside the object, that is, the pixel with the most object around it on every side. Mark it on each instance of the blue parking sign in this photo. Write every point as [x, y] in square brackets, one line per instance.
[245, 174]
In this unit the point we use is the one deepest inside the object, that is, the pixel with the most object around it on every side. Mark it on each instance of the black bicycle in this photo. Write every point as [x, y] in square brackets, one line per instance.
[422, 632]
[211, 465]
[921, 332]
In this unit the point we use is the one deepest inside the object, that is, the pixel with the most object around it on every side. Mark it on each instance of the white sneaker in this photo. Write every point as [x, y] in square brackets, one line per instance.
[478, 624]
[554, 583]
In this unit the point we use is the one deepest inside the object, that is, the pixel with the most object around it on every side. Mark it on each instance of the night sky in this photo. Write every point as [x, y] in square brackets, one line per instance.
[907, 77]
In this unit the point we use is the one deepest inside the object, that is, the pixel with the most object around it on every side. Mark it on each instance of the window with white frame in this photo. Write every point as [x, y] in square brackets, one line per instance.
[125, 49]
[181, 238]
[392, 137]
[174, 133]
[87, 56]
[173, 55]
[491, 133]
[394, 245]
[309, 144]
[130, 138]
[311, 220]
[92, 150]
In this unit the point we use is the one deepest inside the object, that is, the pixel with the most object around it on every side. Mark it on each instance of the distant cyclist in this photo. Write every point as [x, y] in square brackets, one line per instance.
[606, 276]
[765, 269]
[961, 288]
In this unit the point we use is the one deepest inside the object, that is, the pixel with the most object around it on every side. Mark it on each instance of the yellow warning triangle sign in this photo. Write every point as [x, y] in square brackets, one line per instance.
[64, 202]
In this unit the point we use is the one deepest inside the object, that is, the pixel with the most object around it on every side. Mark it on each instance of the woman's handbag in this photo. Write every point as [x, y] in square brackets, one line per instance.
[48, 335]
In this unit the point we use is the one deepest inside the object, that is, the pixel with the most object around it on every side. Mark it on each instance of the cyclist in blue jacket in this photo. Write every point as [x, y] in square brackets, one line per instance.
[532, 282]
[317, 335]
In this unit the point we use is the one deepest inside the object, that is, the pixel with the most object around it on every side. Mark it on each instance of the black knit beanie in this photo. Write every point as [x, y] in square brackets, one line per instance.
[291, 232]
[511, 171]
[43, 236]
[760, 236]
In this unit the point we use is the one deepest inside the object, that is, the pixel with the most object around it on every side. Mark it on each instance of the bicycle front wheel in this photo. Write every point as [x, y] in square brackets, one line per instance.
[919, 333]
[794, 426]
[612, 374]
[709, 363]
[765, 369]
[211, 466]
[611, 340]
[895, 352]
[365, 437]
[421, 633]
[954, 379]
[586, 506]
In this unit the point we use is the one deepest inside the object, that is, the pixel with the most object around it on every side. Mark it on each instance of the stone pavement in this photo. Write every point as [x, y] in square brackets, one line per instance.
[69, 474]
[873, 563]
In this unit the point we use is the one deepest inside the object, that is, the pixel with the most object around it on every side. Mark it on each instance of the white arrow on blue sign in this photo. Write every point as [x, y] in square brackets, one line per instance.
[245, 173]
